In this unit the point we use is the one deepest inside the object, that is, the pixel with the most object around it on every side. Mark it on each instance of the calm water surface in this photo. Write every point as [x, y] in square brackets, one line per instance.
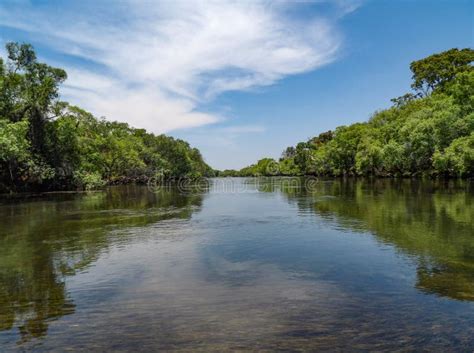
[259, 265]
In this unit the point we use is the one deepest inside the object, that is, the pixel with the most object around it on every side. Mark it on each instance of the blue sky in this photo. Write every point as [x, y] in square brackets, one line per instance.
[239, 80]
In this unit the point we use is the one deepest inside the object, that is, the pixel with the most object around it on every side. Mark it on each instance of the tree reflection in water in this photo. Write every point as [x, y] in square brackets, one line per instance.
[45, 240]
[431, 221]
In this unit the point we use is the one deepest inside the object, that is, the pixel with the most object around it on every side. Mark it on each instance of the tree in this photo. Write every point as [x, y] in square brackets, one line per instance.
[344, 148]
[421, 134]
[321, 139]
[369, 157]
[289, 152]
[457, 159]
[462, 91]
[405, 99]
[288, 167]
[438, 69]
[48, 144]
[33, 89]
[303, 156]
[14, 147]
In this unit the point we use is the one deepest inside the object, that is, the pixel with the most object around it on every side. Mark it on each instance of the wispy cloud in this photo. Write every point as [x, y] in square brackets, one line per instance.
[152, 64]
[224, 138]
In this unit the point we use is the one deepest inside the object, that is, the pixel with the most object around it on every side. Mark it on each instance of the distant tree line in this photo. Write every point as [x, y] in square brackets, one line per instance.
[47, 144]
[428, 132]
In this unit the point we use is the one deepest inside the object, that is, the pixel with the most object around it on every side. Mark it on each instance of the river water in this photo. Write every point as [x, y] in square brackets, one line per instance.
[241, 264]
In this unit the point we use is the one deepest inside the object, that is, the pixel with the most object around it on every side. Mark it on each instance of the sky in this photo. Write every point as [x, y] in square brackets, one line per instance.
[240, 80]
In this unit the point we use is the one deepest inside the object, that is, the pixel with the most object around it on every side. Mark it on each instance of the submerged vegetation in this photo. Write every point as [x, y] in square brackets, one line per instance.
[47, 144]
[33, 288]
[429, 132]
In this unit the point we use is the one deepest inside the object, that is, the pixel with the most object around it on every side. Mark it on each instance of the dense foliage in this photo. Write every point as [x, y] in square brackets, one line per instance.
[428, 132]
[47, 144]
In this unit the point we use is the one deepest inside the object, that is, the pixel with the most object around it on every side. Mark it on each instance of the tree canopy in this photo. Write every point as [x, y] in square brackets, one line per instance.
[429, 132]
[48, 144]
[438, 69]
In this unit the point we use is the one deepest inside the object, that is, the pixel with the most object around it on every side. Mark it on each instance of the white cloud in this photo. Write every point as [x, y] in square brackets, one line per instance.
[152, 64]
[224, 139]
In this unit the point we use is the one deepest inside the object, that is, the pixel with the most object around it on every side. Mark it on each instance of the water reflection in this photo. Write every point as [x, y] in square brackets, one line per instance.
[430, 221]
[333, 265]
[44, 240]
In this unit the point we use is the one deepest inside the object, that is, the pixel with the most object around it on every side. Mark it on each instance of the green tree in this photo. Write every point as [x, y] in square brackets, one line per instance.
[14, 148]
[438, 69]
[457, 159]
[48, 144]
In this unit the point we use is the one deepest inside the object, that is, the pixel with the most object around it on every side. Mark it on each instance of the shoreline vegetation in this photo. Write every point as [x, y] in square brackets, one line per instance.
[426, 133]
[49, 145]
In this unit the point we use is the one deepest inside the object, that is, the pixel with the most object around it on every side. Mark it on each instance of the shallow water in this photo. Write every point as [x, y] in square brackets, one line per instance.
[246, 264]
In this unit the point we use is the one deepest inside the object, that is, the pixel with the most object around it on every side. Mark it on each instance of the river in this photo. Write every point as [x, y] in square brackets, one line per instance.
[271, 264]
